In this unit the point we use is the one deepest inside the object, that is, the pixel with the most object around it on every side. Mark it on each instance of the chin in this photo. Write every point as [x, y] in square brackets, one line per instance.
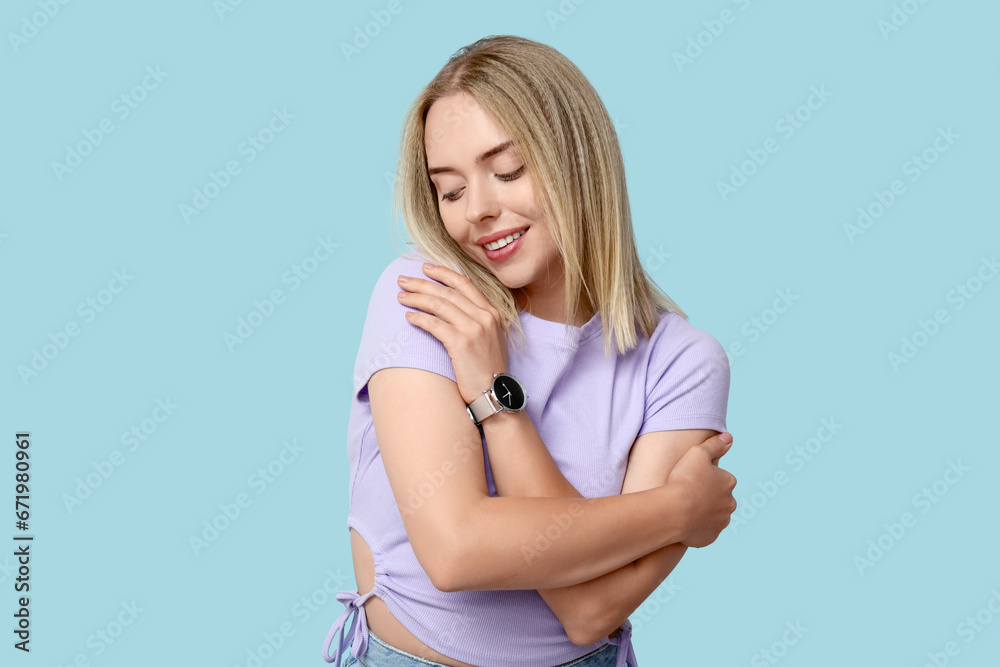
[513, 283]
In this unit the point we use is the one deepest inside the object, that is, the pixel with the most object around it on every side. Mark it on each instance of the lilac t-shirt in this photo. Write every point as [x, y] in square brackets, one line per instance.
[588, 410]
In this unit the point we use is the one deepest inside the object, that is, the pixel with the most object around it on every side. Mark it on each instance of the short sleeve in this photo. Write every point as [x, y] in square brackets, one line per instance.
[687, 380]
[389, 339]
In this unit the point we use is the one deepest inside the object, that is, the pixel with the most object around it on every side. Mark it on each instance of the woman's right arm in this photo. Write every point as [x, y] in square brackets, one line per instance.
[465, 539]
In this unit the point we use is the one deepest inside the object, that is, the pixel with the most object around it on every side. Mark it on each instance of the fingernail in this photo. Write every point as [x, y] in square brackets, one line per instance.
[401, 279]
[428, 266]
[726, 437]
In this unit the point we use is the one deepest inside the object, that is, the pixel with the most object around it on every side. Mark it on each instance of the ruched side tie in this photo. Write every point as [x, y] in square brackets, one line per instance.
[359, 640]
[623, 639]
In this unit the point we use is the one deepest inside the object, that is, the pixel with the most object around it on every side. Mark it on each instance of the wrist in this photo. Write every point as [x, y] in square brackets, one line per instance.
[480, 383]
[502, 419]
[503, 393]
[676, 502]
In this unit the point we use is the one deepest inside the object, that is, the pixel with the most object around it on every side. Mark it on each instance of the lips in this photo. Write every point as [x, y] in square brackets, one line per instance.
[499, 235]
[506, 252]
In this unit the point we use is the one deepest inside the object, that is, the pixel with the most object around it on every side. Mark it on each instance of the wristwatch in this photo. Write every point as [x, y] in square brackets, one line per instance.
[505, 395]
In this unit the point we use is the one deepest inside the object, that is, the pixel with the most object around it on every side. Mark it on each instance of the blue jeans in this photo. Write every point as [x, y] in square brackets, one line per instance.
[380, 654]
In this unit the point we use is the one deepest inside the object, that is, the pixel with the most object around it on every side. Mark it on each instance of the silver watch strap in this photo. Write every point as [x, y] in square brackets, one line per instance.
[482, 407]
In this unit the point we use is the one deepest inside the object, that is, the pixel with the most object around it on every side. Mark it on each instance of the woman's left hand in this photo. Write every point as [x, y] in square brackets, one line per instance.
[462, 318]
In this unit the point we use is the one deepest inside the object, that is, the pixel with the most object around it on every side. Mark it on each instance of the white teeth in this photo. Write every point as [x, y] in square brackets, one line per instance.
[496, 245]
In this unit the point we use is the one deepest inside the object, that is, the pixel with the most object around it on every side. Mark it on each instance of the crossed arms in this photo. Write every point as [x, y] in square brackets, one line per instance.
[620, 548]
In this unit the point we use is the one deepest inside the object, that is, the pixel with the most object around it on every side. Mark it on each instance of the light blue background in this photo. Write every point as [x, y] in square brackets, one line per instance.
[327, 175]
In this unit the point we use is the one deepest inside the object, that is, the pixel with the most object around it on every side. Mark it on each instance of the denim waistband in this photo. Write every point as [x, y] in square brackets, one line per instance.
[382, 654]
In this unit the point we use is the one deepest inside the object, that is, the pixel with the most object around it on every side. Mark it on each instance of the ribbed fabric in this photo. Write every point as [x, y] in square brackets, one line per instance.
[588, 411]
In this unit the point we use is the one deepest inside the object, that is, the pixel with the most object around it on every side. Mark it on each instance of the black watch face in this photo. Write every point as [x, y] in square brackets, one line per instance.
[508, 392]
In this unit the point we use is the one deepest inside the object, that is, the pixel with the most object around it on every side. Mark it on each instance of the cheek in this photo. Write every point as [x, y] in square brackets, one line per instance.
[527, 203]
[452, 223]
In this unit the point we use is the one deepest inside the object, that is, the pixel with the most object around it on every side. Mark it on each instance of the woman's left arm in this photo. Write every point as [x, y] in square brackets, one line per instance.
[522, 466]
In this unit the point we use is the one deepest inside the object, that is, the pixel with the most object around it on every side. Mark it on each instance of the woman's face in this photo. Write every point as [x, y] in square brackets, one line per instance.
[482, 189]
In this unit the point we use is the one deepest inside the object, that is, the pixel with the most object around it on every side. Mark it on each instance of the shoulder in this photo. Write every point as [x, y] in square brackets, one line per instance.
[675, 333]
[687, 378]
[383, 293]
[677, 342]
[408, 264]
[388, 339]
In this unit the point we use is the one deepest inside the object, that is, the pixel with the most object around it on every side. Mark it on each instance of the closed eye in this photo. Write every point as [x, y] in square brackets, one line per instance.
[512, 176]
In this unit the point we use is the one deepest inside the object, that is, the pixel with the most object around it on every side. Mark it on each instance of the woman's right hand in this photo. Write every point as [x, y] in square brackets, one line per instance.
[708, 490]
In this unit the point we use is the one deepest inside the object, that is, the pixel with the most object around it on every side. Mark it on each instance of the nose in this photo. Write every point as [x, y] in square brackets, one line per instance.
[482, 202]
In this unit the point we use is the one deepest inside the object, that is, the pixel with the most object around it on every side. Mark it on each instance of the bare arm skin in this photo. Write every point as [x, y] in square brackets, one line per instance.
[466, 540]
[522, 466]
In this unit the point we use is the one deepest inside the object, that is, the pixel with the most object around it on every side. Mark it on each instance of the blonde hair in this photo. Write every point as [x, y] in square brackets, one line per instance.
[569, 145]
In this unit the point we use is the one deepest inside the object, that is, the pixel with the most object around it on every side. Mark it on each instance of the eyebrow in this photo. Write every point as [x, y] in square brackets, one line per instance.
[499, 148]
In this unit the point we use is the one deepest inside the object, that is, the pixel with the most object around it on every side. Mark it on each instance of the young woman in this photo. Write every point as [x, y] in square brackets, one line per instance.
[512, 502]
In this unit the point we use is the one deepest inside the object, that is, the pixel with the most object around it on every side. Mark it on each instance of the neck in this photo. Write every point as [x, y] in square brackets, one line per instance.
[552, 310]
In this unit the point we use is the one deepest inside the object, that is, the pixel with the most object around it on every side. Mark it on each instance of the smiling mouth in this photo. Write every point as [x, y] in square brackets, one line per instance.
[504, 242]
